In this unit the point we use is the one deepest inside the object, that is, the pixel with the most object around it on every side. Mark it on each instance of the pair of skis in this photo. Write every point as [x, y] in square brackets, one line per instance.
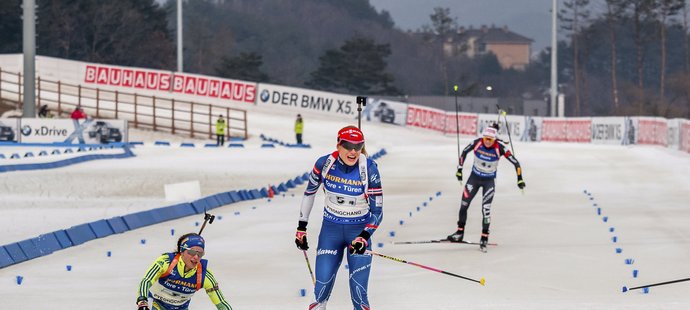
[483, 249]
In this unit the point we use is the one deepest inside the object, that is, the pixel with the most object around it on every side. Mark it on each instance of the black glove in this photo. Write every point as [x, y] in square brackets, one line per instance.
[359, 245]
[301, 236]
[521, 182]
[142, 303]
[459, 174]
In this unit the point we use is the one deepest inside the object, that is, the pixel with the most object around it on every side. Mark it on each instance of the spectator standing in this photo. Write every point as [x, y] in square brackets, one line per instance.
[220, 131]
[299, 128]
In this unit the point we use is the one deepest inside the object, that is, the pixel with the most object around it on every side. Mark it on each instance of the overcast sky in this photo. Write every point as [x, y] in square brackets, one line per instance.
[530, 18]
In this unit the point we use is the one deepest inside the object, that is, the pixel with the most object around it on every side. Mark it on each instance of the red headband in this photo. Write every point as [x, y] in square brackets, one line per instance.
[351, 134]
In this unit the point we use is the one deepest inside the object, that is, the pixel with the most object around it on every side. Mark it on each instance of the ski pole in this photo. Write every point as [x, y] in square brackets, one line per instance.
[306, 258]
[457, 121]
[510, 139]
[457, 111]
[207, 218]
[480, 281]
[505, 118]
[440, 241]
[498, 118]
[625, 289]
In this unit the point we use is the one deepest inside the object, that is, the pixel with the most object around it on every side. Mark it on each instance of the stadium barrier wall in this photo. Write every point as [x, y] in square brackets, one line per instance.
[225, 93]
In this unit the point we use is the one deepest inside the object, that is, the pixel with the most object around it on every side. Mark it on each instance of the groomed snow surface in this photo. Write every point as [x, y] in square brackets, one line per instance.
[555, 251]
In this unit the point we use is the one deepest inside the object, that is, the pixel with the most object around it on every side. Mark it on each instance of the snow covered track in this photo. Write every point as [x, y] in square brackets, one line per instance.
[46, 244]
[555, 251]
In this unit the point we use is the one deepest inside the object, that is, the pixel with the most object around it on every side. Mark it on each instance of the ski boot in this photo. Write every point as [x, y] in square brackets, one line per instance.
[483, 242]
[457, 236]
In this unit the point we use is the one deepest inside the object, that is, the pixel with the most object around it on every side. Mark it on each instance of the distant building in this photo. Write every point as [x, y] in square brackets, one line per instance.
[512, 50]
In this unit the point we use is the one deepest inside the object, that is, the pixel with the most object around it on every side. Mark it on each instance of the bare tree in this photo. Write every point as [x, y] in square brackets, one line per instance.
[443, 25]
[614, 12]
[642, 11]
[666, 10]
[574, 17]
[686, 49]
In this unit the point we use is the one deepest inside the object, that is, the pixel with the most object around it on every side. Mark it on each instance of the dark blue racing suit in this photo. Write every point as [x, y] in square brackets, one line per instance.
[483, 175]
[351, 207]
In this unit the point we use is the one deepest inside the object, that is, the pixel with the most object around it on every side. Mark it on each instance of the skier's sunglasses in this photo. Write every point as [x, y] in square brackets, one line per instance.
[194, 252]
[351, 146]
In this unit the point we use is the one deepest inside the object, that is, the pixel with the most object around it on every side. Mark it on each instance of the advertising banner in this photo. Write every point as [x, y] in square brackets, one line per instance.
[167, 81]
[300, 100]
[89, 131]
[425, 117]
[652, 130]
[484, 120]
[516, 124]
[9, 129]
[384, 111]
[630, 135]
[554, 129]
[685, 136]
[567, 129]
[579, 130]
[532, 131]
[673, 136]
[466, 122]
[608, 130]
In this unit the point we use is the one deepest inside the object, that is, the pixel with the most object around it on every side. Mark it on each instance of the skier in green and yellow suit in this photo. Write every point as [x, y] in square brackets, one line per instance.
[173, 278]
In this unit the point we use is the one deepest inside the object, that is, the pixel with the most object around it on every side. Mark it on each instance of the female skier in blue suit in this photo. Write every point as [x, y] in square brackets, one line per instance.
[353, 210]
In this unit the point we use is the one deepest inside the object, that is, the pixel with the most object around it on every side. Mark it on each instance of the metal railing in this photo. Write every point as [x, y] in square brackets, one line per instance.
[141, 111]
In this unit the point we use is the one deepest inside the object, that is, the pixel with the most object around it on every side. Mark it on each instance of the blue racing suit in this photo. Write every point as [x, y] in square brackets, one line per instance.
[353, 207]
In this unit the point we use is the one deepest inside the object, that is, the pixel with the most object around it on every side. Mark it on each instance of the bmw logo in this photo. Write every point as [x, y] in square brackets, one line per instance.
[26, 130]
[265, 94]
